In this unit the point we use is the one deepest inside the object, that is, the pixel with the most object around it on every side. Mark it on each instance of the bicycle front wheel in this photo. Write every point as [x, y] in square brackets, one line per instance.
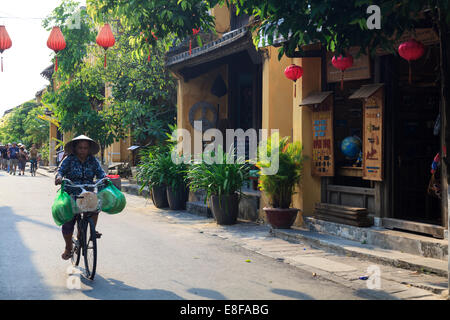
[77, 242]
[90, 249]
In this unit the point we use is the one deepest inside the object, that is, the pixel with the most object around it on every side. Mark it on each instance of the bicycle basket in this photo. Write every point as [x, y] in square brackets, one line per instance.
[112, 199]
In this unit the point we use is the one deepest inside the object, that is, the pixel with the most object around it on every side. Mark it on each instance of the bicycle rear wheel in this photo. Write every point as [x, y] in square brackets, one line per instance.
[90, 249]
[77, 243]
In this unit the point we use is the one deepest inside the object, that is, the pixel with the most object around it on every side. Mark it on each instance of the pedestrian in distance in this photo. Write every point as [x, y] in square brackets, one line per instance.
[13, 160]
[22, 157]
[33, 159]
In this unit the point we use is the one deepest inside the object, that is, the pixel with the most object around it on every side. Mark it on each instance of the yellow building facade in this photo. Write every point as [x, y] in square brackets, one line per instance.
[246, 69]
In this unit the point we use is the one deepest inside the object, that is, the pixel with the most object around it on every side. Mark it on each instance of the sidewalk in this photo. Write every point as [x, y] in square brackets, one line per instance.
[341, 261]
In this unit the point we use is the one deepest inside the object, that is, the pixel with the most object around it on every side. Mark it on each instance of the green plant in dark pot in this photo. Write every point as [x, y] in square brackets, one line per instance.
[281, 165]
[151, 173]
[222, 181]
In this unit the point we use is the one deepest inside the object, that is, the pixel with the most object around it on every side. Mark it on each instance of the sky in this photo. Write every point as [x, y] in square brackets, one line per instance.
[29, 54]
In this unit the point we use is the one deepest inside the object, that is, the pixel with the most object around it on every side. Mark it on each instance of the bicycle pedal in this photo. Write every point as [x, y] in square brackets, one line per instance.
[98, 235]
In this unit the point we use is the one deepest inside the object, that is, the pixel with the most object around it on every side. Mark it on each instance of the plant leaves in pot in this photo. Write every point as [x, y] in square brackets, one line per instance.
[279, 182]
[151, 173]
[221, 177]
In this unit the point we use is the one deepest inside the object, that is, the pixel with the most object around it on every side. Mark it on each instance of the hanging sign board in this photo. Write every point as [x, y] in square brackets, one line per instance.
[321, 105]
[372, 148]
[360, 69]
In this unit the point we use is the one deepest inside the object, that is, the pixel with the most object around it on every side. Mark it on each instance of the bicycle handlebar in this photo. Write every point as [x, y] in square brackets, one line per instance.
[71, 184]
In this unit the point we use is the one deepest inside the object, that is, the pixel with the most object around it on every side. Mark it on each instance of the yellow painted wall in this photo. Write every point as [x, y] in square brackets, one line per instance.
[309, 193]
[52, 153]
[277, 94]
[196, 90]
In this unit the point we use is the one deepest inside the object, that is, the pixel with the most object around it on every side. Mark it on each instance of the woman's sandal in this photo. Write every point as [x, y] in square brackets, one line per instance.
[66, 256]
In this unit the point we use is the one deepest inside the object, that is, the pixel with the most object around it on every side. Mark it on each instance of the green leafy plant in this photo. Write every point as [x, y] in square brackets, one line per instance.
[152, 169]
[280, 187]
[218, 179]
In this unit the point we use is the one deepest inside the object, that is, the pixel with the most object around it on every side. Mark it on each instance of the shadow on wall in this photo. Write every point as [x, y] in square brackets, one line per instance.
[19, 278]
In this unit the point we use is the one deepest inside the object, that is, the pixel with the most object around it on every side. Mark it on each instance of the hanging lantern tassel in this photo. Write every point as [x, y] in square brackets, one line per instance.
[56, 42]
[294, 72]
[105, 38]
[342, 63]
[5, 42]
[411, 50]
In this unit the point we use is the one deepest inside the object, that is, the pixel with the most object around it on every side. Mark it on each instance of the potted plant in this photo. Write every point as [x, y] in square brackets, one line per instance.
[151, 173]
[279, 184]
[175, 176]
[222, 180]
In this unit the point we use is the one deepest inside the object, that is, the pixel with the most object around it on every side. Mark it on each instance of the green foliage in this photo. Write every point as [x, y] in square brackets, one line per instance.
[225, 178]
[143, 92]
[280, 186]
[152, 169]
[77, 38]
[336, 24]
[167, 19]
[22, 125]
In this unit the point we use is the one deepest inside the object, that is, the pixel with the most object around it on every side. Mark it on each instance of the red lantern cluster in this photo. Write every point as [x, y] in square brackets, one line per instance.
[342, 63]
[56, 42]
[5, 41]
[411, 50]
[293, 72]
[105, 38]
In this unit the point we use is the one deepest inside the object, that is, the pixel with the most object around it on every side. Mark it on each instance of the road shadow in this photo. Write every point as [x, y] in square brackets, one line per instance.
[19, 277]
[207, 293]
[292, 294]
[112, 289]
[374, 294]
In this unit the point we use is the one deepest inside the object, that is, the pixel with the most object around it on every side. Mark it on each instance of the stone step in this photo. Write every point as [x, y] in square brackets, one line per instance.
[198, 208]
[365, 251]
[422, 246]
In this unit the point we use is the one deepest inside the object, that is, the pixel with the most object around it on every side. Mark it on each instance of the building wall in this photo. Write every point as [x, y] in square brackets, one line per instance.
[309, 192]
[196, 90]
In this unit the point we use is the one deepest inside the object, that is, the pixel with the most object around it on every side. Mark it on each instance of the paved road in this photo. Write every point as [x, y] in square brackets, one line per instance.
[141, 256]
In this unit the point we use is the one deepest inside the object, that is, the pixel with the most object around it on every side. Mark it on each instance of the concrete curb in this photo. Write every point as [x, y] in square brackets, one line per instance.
[354, 249]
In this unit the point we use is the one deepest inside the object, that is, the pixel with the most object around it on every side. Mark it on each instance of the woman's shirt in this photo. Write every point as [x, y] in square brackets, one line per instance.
[80, 173]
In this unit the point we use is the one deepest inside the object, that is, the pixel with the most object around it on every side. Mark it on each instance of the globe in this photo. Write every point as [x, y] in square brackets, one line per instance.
[351, 147]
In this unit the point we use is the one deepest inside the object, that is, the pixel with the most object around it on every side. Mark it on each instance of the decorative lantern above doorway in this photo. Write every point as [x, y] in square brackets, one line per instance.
[411, 50]
[342, 63]
[293, 72]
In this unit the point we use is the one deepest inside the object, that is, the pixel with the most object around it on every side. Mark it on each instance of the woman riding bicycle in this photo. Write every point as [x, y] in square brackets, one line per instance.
[80, 166]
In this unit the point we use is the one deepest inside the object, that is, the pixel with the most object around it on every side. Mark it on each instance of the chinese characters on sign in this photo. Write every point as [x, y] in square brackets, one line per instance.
[322, 151]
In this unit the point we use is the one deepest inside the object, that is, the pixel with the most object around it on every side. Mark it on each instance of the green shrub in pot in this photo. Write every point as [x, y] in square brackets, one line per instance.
[280, 186]
[222, 181]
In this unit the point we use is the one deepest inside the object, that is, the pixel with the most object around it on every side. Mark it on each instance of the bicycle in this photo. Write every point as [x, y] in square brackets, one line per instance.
[84, 238]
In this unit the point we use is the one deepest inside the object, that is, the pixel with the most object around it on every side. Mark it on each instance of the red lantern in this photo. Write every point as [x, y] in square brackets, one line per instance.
[56, 42]
[146, 40]
[5, 41]
[105, 38]
[293, 72]
[342, 63]
[194, 33]
[411, 50]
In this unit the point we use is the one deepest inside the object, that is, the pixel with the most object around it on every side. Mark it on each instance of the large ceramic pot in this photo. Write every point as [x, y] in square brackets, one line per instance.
[281, 218]
[177, 198]
[159, 196]
[225, 208]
